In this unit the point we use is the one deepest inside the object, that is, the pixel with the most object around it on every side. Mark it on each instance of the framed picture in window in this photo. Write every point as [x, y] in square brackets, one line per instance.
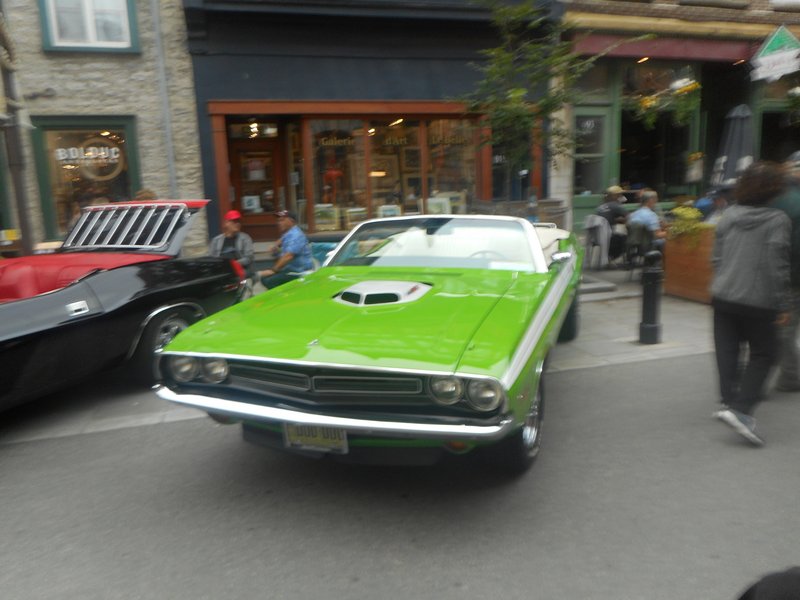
[411, 159]
[384, 172]
[389, 210]
[326, 217]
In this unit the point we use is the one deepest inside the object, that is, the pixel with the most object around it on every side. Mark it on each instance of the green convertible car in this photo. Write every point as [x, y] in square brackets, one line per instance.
[419, 336]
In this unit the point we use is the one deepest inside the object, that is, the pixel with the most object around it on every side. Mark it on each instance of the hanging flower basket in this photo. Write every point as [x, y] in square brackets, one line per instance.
[685, 101]
[682, 99]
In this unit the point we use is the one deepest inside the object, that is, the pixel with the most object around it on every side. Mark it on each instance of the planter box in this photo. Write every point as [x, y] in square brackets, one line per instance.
[687, 266]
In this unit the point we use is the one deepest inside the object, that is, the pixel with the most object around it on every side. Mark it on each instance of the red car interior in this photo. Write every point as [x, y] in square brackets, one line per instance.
[33, 275]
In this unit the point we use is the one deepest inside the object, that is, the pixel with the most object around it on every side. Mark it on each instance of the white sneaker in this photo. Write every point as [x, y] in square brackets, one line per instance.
[742, 424]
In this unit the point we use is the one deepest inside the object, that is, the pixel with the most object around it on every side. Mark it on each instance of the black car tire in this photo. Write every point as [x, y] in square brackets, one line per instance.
[515, 454]
[569, 328]
[158, 333]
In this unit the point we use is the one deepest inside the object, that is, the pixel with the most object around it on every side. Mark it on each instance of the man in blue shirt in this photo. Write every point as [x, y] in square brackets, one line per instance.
[294, 250]
[646, 215]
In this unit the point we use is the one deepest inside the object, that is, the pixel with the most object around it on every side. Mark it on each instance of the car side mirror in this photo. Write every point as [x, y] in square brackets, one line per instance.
[560, 257]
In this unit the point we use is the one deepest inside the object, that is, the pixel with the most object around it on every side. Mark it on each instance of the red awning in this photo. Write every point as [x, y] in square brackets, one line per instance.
[669, 48]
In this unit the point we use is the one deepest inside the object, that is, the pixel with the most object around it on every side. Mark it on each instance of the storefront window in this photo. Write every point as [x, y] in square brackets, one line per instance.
[395, 173]
[85, 167]
[648, 78]
[253, 129]
[452, 148]
[297, 200]
[594, 82]
[589, 160]
[340, 194]
[656, 158]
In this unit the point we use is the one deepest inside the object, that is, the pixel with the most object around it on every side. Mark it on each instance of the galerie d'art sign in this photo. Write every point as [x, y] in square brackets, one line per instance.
[98, 158]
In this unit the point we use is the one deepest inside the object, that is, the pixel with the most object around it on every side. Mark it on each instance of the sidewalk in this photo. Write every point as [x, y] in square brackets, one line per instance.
[610, 314]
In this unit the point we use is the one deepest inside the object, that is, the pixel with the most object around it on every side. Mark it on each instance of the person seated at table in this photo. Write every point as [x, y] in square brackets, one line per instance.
[611, 210]
[646, 215]
[293, 252]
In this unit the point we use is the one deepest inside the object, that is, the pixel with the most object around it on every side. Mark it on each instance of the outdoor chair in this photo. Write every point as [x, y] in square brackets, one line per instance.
[638, 243]
[597, 233]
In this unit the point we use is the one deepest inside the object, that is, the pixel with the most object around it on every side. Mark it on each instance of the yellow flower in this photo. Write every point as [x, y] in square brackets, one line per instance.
[687, 88]
[647, 102]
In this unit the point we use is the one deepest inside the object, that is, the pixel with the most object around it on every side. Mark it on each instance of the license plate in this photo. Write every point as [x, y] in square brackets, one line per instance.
[312, 437]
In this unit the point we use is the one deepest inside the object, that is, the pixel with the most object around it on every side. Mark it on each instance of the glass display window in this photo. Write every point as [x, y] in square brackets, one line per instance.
[340, 177]
[452, 151]
[85, 167]
[396, 166]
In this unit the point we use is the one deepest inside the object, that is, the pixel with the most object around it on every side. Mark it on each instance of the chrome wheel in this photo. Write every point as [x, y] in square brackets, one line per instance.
[161, 330]
[168, 329]
[532, 428]
[516, 453]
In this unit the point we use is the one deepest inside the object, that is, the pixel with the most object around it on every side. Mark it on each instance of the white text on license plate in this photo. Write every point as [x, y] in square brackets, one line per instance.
[312, 437]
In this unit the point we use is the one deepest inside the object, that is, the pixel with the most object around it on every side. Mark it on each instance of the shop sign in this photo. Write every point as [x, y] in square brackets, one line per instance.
[449, 140]
[336, 141]
[97, 158]
[779, 55]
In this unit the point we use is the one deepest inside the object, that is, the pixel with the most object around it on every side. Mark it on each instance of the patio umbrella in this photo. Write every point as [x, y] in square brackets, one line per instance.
[736, 149]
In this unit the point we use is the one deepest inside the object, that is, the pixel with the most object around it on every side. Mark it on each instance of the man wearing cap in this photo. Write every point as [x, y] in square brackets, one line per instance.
[611, 210]
[789, 202]
[294, 253]
[233, 243]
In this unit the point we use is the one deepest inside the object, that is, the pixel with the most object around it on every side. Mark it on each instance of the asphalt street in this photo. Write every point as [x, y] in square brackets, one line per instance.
[638, 494]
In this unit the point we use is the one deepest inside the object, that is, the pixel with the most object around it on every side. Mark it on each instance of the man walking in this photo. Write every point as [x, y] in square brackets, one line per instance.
[750, 294]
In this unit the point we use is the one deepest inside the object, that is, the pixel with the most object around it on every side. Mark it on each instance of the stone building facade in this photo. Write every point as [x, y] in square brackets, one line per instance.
[108, 119]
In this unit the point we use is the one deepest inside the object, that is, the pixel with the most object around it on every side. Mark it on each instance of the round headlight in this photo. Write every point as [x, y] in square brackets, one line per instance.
[183, 368]
[215, 370]
[447, 390]
[484, 394]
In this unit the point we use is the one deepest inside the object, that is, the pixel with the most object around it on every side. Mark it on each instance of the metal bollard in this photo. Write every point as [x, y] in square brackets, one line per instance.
[652, 275]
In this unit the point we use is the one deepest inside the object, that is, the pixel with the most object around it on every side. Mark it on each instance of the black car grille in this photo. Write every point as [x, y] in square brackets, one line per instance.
[366, 385]
[274, 377]
[317, 385]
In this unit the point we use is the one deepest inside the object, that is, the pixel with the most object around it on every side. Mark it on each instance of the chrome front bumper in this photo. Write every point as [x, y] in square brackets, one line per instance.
[241, 410]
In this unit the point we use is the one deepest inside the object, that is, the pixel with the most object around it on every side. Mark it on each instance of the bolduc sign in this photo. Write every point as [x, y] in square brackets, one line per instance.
[98, 158]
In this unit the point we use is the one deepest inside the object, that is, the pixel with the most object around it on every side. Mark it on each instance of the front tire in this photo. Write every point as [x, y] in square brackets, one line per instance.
[515, 454]
[569, 328]
[160, 331]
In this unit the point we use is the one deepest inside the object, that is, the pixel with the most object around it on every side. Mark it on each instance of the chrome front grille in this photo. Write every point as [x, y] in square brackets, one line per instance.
[303, 382]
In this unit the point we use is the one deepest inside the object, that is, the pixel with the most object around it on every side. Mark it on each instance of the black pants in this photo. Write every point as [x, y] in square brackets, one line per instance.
[741, 381]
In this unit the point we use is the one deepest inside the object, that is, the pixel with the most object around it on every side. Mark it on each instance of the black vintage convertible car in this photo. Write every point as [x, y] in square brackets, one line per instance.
[119, 288]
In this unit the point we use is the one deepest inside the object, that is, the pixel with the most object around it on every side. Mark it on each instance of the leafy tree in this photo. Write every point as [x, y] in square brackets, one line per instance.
[527, 79]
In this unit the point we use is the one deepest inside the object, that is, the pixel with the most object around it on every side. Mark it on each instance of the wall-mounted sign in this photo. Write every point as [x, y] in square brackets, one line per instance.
[779, 55]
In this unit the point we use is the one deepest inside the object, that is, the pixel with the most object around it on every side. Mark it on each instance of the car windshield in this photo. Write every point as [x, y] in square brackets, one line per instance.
[439, 242]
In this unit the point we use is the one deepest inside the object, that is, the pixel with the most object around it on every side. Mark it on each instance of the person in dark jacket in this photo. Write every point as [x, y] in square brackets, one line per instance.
[750, 293]
[612, 211]
[234, 243]
[789, 202]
